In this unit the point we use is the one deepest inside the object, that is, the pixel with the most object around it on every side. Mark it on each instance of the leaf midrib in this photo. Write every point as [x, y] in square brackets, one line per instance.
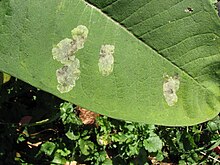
[142, 42]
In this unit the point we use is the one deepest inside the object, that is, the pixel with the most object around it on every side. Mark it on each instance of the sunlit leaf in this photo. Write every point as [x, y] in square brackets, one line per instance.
[151, 38]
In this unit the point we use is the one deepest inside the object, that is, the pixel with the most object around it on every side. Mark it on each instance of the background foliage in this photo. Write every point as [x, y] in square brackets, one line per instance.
[56, 134]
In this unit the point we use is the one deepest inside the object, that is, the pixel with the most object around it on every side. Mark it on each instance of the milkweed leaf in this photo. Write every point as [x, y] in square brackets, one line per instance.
[151, 38]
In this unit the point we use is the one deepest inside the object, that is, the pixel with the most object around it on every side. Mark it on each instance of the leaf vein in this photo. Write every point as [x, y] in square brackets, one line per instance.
[161, 26]
[142, 21]
[110, 4]
[135, 11]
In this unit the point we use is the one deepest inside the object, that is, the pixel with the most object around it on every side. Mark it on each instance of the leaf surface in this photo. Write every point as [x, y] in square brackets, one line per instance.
[152, 38]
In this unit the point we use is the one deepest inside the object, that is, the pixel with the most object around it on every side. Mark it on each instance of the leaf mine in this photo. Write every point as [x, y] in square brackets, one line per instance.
[79, 35]
[66, 48]
[67, 76]
[64, 52]
[106, 59]
[170, 87]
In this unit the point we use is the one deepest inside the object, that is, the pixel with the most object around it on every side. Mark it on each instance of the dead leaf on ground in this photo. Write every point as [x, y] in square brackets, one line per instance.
[87, 117]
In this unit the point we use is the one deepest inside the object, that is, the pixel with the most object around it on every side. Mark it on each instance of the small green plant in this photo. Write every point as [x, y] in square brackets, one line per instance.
[108, 140]
[59, 136]
[192, 145]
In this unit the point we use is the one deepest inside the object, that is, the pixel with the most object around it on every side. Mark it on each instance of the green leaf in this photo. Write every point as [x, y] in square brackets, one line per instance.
[151, 39]
[216, 144]
[160, 156]
[70, 134]
[48, 148]
[4, 78]
[214, 124]
[86, 146]
[67, 114]
[153, 144]
[63, 152]
[107, 162]
[58, 159]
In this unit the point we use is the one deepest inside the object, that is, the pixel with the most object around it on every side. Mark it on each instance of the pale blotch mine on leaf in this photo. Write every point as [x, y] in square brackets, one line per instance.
[79, 35]
[106, 59]
[64, 52]
[170, 87]
[67, 76]
[66, 48]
